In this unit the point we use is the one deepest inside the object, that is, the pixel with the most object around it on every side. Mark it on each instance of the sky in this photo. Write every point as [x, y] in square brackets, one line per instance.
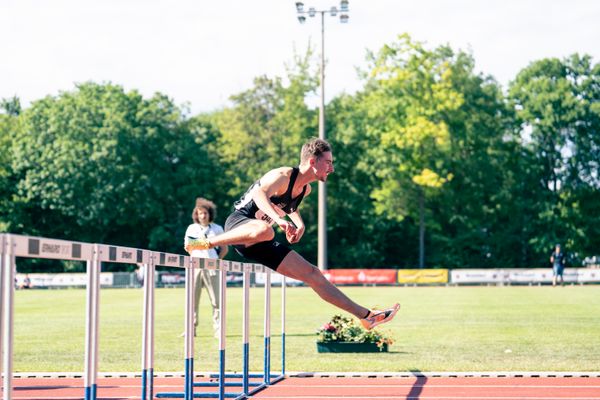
[200, 52]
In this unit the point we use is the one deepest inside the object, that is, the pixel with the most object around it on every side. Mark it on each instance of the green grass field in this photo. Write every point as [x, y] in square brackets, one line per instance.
[437, 329]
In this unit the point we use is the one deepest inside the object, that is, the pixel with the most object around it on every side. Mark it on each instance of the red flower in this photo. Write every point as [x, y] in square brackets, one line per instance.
[329, 328]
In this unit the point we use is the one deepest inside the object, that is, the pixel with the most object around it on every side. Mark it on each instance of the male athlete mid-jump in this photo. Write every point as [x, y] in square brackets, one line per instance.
[268, 201]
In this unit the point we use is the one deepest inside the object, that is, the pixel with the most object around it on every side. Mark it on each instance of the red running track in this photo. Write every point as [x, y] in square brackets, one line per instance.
[319, 388]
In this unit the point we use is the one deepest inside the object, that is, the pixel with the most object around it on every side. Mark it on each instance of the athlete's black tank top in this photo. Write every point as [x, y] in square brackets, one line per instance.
[285, 202]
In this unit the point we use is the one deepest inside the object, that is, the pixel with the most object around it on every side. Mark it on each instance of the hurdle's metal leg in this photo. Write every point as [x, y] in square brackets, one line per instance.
[89, 326]
[246, 331]
[9, 309]
[97, 271]
[189, 334]
[96, 268]
[223, 266]
[283, 293]
[267, 357]
[2, 279]
[145, 331]
[151, 282]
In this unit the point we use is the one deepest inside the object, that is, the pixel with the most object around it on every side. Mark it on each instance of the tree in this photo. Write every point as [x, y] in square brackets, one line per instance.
[409, 90]
[558, 108]
[103, 165]
[9, 124]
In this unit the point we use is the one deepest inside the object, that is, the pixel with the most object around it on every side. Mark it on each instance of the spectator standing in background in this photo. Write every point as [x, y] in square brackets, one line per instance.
[203, 227]
[558, 265]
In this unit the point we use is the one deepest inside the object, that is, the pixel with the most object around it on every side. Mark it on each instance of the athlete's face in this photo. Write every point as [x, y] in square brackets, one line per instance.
[323, 166]
[203, 216]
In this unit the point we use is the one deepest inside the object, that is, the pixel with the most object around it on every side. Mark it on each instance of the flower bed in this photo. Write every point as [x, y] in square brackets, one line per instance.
[344, 335]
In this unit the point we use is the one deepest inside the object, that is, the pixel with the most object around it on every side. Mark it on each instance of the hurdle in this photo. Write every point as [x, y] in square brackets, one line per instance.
[12, 246]
[267, 376]
[166, 260]
[38, 247]
[268, 379]
[128, 255]
[148, 330]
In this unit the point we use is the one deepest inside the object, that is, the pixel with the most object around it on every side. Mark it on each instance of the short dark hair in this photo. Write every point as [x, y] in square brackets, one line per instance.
[208, 205]
[314, 147]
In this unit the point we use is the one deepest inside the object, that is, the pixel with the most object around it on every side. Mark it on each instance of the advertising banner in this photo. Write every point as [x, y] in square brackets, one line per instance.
[532, 275]
[276, 280]
[522, 275]
[587, 274]
[422, 276]
[63, 279]
[477, 276]
[361, 276]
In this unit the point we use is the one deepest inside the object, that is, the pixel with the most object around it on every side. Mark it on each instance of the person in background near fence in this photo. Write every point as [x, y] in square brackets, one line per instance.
[558, 265]
[269, 200]
[26, 284]
[203, 228]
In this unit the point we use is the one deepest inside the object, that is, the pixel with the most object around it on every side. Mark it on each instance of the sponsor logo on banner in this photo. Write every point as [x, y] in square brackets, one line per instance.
[478, 276]
[361, 276]
[423, 276]
[587, 275]
[522, 276]
[530, 275]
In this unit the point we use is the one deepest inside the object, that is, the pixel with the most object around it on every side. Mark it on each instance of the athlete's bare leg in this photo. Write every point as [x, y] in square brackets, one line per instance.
[296, 267]
[250, 233]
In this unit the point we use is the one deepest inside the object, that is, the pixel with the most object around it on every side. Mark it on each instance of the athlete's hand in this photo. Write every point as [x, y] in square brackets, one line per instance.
[288, 228]
[295, 237]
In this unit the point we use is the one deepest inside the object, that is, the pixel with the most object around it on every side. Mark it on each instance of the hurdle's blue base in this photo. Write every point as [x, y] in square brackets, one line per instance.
[144, 377]
[189, 378]
[264, 385]
[215, 395]
[226, 384]
[151, 383]
[242, 375]
[181, 395]
[88, 393]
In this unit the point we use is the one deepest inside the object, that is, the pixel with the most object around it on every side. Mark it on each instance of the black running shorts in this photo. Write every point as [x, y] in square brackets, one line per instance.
[269, 253]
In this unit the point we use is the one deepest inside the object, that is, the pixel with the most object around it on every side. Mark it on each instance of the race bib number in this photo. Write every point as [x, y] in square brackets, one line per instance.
[260, 215]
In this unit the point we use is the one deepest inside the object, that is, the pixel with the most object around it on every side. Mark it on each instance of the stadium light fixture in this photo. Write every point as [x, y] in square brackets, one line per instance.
[322, 201]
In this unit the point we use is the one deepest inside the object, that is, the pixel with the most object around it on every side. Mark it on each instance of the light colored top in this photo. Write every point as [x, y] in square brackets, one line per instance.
[196, 231]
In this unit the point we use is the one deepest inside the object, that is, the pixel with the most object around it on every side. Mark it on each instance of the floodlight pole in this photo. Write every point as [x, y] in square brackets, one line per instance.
[322, 197]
